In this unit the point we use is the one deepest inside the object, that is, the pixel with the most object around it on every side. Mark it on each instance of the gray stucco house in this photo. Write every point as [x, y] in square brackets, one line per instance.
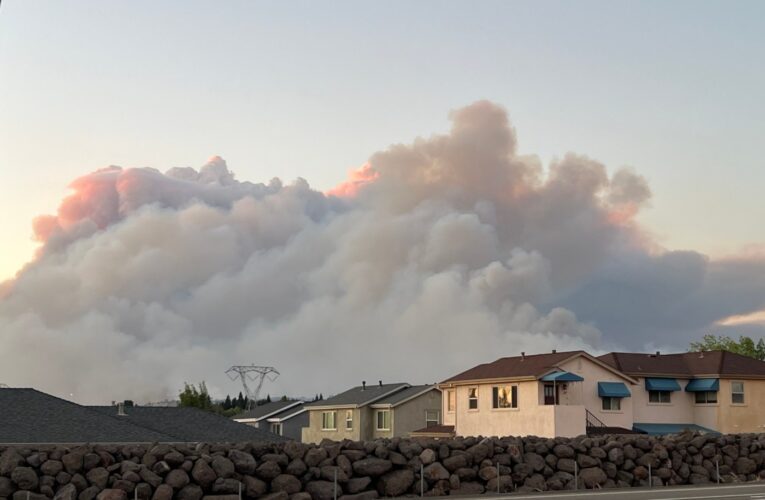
[376, 411]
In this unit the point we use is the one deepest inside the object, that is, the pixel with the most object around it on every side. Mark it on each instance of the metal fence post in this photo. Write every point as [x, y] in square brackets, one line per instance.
[135, 493]
[576, 475]
[650, 477]
[335, 483]
[717, 467]
[422, 480]
[497, 478]
[240, 490]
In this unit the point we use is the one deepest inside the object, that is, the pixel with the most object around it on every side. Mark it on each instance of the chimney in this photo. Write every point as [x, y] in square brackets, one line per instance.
[554, 351]
[121, 410]
[363, 385]
[658, 353]
[380, 382]
[523, 356]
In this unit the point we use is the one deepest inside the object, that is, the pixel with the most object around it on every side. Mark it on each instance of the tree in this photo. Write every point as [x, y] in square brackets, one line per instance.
[227, 402]
[195, 397]
[240, 401]
[744, 345]
[268, 398]
[284, 398]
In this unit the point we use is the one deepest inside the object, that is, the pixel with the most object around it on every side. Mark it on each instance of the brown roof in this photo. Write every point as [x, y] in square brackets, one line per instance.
[533, 365]
[686, 364]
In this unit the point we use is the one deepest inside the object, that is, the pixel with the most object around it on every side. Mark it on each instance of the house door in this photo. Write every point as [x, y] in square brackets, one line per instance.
[552, 394]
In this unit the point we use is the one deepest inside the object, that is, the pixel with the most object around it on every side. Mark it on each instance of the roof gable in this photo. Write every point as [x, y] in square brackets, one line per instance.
[404, 396]
[531, 366]
[686, 364]
[266, 410]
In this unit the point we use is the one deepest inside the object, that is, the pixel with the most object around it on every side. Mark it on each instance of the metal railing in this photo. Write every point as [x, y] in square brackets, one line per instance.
[592, 421]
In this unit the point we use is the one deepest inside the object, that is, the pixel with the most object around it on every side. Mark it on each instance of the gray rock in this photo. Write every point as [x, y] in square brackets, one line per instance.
[435, 472]
[455, 462]
[395, 483]
[371, 467]
[294, 449]
[268, 471]
[66, 492]
[244, 463]
[112, 494]
[223, 467]
[279, 495]
[427, 456]
[567, 465]
[468, 488]
[586, 461]
[227, 486]
[367, 495]
[150, 477]
[297, 467]
[504, 483]
[322, 490]
[161, 468]
[174, 458]
[478, 452]
[330, 472]
[563, 451]
[73, 462]
[25, 478]
[466, 473]
[254, 487]
[535, 461]
[177, 479]
[89, 493]
[51, 467]
[357, 484]
[301, 496]
[6, 487]
[745, 466]
[592, 477]
[287, 483]
[190, 492]
[203, 474]
[315, 456]
[163, 492]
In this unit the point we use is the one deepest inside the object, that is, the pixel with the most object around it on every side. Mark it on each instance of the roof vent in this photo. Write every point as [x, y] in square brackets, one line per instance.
[658, 353]
[121, 410]
[554, 351]
[363, 385]
[523, 356]
[380, 382]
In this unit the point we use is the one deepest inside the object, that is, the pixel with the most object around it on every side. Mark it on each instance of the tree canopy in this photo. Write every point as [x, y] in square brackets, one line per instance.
[744, 345]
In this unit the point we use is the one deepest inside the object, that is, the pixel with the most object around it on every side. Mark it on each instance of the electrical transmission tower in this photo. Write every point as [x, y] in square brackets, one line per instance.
[253, 373]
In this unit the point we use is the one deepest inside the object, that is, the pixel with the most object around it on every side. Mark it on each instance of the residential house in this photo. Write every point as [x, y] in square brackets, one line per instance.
[258, 416]
[374, 411]
[283, 418]
[716, 390]
[28, 416]
[574, 393]
[554, 394]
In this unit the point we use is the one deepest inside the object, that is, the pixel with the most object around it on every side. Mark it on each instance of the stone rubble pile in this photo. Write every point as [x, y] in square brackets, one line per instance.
[367, 470]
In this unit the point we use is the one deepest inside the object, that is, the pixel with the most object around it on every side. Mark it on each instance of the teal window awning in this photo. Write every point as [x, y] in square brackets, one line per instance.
[661, 384]
[561, 376]
[613, 390]
[703, 385]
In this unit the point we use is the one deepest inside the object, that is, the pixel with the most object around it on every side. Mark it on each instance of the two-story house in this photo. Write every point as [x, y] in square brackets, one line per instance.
[574, 393]
[373, 411]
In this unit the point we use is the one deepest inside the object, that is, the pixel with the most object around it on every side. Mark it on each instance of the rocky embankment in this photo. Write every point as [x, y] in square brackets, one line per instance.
[364, 470]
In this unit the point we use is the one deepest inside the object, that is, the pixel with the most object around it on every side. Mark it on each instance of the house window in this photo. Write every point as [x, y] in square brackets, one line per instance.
[349, 420]
[737, 393]
[276, 428]
[432, 418]
[383, 420]
[706, 397]
[505, 396]
[659, 396]
[612, 404]
[329, 421]
[451, 400]
[472, 398]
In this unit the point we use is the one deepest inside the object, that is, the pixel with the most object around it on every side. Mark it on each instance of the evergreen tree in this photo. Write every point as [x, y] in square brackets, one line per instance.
[284, 398]
[227, 403]
[268, 398]
[240, 401]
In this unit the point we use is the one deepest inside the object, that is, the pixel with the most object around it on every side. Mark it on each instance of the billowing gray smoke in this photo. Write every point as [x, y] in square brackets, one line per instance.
[450, 251]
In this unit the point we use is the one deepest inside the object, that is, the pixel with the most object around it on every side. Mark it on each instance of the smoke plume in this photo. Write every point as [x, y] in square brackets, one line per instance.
[434, 256]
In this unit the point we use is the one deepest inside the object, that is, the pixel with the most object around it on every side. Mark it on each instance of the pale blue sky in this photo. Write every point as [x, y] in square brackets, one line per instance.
[311, 89]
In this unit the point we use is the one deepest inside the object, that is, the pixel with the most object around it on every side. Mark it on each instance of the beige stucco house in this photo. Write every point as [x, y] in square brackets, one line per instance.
[574, 393]
[373, 411]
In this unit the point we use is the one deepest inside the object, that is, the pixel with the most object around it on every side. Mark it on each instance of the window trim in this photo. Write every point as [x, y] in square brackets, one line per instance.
[660, 402]
[348, 420]
[513, 397]
[278, 426]
[611, 399]
[471, 399]
[438, 417]
[706, 401]
[451, 400]
[334, 420]
[742, 393]
[377, 420]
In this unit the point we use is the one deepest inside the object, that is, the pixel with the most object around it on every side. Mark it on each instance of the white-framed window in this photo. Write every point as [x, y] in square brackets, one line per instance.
[705, 397]
[276, 428]
[383, 420]
[737, 393]
[451, 400]
[504, 396]
[349, 420]
[612, 404]
[472, 398]
[659, 396]
[432, 417]
[329, 420]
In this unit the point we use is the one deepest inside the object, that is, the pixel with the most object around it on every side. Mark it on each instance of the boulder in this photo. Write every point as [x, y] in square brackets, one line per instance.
[395, 483]
[357, 484]
[455, 462]
[163, 492]
[371, 467]
[592, 477]
[190, 492]
[51, 467]
[287, 483]
[268, 471]
[28, 495]
[254, 487]
[89, 493]
[6, 487]
[297, 467]
[428, 456]
[66, 492]
[322, 490]
[25, 478]
[150, 477]
[367, 495]
[223, 467]
[563, 451]
[112, 494]
[177, 479]
[315, 456]
[536, 461]
[468, 488]
[73, 462]
[435, 472]
[203, 474]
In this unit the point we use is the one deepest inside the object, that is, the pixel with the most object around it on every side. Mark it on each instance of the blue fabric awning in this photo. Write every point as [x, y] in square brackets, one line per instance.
[613, 390]
[660, 429]
[562, 377]
[703, 385]
[661, 384]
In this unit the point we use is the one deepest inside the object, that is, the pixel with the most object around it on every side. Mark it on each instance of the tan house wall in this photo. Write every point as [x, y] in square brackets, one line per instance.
[586, 392]
[748, 417]
[314, 433]
[680, 410]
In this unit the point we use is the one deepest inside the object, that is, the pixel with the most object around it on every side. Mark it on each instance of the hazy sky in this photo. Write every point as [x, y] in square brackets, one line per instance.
[311, 89]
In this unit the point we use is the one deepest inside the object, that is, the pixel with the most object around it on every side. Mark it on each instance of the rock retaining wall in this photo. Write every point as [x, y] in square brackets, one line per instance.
[366, 470]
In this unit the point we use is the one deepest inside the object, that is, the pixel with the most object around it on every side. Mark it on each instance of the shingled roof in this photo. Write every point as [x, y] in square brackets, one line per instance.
[686, 364]
[188, 424]
[533, 365]
[358, 396]
[29, 416]
[266, 410]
